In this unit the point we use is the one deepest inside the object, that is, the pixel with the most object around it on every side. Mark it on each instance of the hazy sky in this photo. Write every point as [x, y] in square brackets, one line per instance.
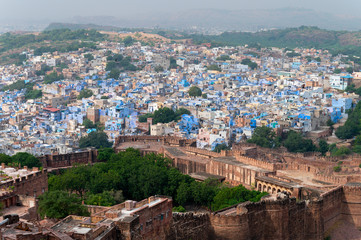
[63, 9]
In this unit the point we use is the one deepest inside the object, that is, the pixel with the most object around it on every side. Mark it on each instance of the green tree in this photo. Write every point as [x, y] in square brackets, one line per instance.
[352, 126]
[349, 70]
[249, 63]
[342, 151]
[59, 204]
[5, 159]
[88, 124]
[53, 77]
[95, 139]
[114, 73]
[204, 95]
[296, 143]
[181, 111]
[337, 71]
[214, 67]
[104, 154]
[164, 115]
[178, 209]
[89, 56]
[219, 147]
[143, 118]
[264, 137]
[128, 41]
[223, 58]
[85, 93]
[227, 197]
[101, 199]
[26, 159]
[33, 94]
[195, 91]
[323, 146]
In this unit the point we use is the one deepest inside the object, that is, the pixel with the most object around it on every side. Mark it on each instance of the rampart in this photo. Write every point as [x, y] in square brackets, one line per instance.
[66, 160]
[281, 219]
[171, 141]
[259, 163]
[190, 226]
[31, 185]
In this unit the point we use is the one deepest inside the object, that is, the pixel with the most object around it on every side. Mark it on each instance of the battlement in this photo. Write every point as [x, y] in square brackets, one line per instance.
[258, 163]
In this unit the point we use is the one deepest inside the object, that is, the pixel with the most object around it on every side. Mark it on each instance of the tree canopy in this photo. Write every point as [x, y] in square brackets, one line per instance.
[249, 63]
[195, 91]
[296, 143]
[352, 126]
[59, 204]
[95, 139]
[265, 137]
[164, 115]
[138, 177]
[85, 93]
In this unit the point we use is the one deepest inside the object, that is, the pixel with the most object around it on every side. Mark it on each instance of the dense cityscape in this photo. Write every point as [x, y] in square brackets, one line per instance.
[180, 131]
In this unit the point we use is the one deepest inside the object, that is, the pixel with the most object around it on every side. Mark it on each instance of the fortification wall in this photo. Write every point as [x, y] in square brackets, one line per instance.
[351, 205]
[331, 207]
[66, 160]
[331, 179]
[258, 163]
[190, 226]
[234, 174]
[30, 185]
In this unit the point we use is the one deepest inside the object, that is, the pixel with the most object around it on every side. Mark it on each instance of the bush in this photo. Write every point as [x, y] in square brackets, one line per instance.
[178, 209]
[337, 168]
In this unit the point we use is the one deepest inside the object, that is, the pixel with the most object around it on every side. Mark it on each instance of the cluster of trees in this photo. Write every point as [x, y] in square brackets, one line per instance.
[117, 63]
[18, 85]
[352, 126]
[97, 139]
[164, 115]
[53, 77]
[21, 158]
[89, 124]
[128, 41]
[64, 47]
[293, 54]
[59, 204]
[223, 58]
[85, 93]
[10, 41]
[249, 63]
[33, 94]
[221, 147]
[44, 69]
[195, 91]
[352, 89]
[128, 175]
[293, 141]
[89, 56]
[173, 63]
[214, 67]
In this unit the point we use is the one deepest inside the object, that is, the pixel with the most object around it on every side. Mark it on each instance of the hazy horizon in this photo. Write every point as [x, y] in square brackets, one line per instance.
[27, 12]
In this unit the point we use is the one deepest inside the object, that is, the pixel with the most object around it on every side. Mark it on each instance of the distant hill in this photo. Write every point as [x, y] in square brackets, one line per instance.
[74, 26]
[290, 37]
[220, 20]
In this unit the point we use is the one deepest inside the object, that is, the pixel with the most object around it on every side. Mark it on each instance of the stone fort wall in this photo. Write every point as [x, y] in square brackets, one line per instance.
[66, 160]
[282, 219]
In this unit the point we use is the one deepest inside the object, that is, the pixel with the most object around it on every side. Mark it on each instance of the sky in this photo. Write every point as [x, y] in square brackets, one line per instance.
[64, 9]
